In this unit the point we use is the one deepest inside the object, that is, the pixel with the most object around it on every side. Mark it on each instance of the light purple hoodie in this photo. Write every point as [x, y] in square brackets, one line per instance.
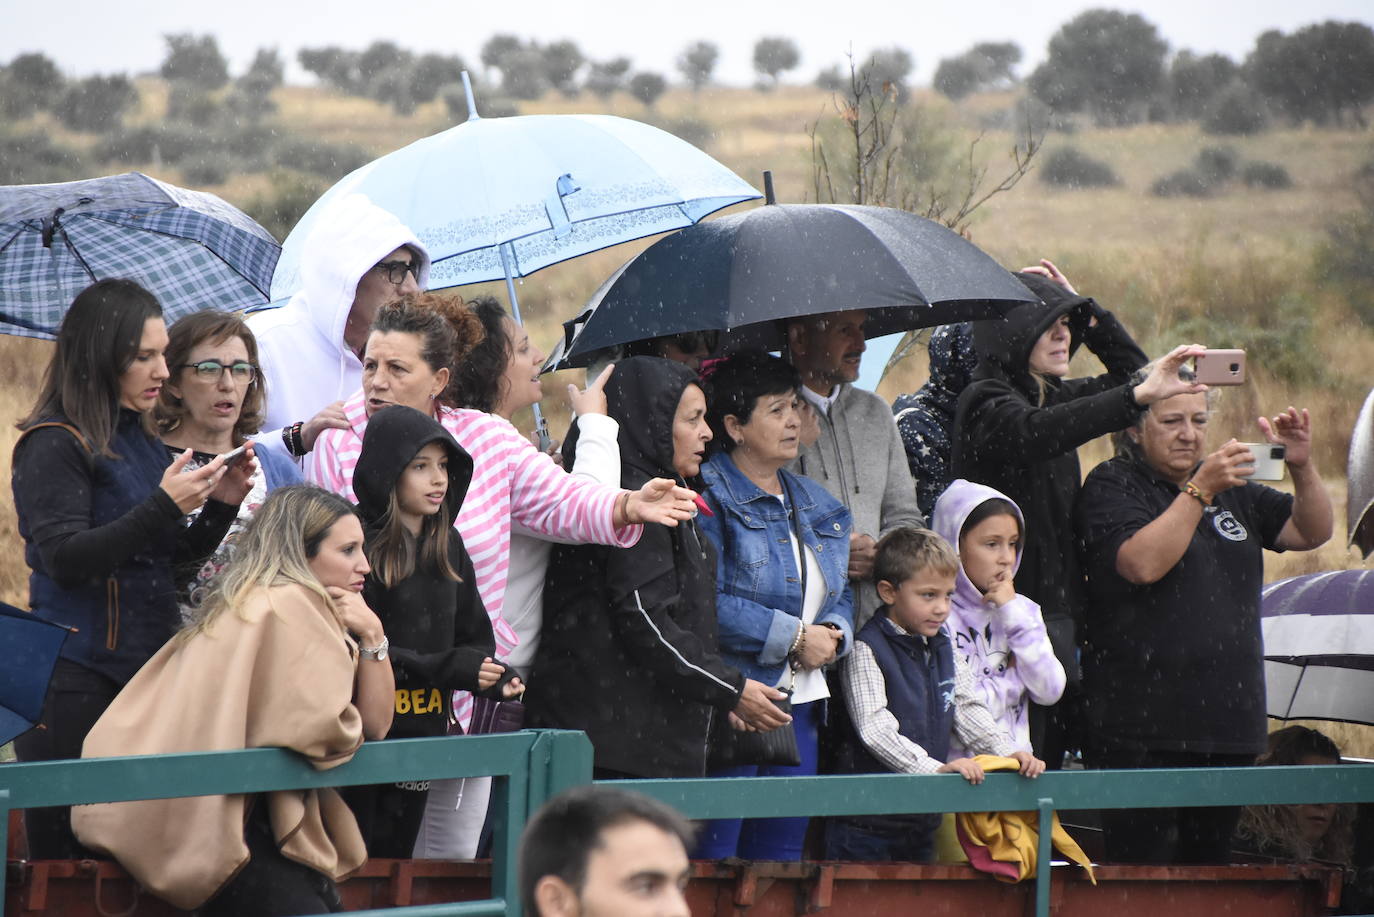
[1007, 648]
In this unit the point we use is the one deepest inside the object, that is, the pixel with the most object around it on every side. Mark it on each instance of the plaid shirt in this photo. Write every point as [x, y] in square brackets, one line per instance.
[866, 695]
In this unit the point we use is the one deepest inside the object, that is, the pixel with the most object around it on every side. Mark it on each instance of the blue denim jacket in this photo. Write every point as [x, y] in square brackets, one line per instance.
[758, 591]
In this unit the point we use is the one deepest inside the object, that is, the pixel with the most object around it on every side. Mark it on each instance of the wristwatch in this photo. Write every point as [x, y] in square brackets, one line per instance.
[377, 652]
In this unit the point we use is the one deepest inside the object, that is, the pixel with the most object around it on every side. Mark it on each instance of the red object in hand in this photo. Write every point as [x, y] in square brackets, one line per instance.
[701, 505]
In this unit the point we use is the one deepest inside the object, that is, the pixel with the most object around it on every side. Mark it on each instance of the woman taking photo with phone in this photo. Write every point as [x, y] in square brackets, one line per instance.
[100, 507]
[211, 403]
[1173, 540]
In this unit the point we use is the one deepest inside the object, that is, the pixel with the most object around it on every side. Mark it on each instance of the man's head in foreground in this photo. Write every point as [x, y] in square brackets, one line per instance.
[597, 850]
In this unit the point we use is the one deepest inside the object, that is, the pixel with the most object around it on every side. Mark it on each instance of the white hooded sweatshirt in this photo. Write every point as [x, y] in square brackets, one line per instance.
[301, 348]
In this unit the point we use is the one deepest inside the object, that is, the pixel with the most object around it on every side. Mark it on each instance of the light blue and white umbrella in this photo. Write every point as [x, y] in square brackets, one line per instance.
[193, 250]
[500, 198]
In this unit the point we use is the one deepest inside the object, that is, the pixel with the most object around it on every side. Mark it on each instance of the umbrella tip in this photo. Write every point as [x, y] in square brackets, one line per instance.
[768, 196]
[472, 103]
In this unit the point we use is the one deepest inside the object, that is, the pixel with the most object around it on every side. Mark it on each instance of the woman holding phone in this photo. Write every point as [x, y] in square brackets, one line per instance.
[100, 506]
[1173, 539]
[211, 403]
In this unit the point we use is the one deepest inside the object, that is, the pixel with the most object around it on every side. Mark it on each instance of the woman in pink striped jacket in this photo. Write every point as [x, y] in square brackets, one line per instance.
[408, 361]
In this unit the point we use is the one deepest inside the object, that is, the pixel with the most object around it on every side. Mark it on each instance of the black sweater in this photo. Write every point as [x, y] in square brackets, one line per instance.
[438, 628]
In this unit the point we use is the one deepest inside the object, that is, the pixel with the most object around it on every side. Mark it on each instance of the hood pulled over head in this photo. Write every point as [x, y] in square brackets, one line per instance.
[1004, 347]
[642, 396]
[394, 435]
[347, 241]
[952, 510]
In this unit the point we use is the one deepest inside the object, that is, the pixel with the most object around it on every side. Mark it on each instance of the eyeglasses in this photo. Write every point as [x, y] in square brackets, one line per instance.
[211, 370]
[396, 270]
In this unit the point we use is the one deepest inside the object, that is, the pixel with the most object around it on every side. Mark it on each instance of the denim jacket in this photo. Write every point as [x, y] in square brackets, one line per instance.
[758, 591]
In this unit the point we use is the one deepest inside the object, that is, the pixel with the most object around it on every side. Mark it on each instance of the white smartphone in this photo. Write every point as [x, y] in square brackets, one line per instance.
[1268, 461]
[234, 455]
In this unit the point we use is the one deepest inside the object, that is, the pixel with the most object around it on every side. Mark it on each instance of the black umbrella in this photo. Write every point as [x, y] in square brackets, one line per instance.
[743, 273]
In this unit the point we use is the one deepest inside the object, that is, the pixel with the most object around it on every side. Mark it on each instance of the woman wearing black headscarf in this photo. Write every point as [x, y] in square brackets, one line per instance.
[628, 652]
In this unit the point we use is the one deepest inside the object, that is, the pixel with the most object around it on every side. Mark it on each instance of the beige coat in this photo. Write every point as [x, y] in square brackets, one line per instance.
[277, 672]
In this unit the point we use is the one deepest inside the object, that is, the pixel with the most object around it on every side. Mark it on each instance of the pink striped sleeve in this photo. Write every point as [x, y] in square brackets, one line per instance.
[322, 467]
[547, 500]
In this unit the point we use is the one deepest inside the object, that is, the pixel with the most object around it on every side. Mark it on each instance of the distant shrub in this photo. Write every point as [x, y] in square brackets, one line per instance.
[34, 159]
[329, 160]
[1236, 110]
[168, 143]
[695, 131]
[1217, 163]
[1260, 174]
[1183, 183]
[1068, 167]
[211, 167]
[287, 199]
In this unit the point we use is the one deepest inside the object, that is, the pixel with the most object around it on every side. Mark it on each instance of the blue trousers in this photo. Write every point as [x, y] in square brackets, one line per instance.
[765, 838]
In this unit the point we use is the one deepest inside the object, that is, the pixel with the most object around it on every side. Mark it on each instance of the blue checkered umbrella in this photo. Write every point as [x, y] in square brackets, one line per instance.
[191, 249]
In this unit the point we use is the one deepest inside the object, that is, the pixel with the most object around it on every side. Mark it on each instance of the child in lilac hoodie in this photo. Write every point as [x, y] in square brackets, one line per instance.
[1000, 633]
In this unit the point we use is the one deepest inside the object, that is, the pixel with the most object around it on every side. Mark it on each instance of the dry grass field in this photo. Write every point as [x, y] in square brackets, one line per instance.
[1219, 263]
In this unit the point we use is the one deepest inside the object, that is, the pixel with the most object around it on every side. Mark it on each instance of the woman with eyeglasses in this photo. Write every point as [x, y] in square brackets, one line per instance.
[211, 403]
[101, 506]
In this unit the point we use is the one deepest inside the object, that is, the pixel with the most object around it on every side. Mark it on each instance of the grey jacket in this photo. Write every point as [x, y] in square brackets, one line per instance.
[860, 460]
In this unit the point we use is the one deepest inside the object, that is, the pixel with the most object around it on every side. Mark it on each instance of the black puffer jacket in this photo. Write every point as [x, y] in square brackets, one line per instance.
[628, 652]
[438, 629]
[1005, 438]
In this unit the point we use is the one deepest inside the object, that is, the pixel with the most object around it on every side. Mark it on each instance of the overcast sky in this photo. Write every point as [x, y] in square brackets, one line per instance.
[91, 36]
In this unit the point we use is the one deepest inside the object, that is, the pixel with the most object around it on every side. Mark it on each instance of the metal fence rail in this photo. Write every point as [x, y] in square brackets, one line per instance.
[532, 765]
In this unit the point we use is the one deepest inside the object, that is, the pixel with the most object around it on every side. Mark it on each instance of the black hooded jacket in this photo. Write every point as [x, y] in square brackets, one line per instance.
[628, 652]
[1006, 439]
[438, 629]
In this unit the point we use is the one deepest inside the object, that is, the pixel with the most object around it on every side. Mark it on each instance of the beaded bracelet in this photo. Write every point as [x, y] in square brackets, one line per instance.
[799, 641]
[1197, 493]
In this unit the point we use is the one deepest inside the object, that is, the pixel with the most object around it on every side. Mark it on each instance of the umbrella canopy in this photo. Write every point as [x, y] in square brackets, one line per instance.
[1359, 476]
[496, 198]
[744, 272]
[31, 647]
[1319, 646]
[193, 250]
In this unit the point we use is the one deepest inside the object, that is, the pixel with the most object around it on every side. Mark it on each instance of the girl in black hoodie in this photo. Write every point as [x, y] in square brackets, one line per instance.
[1018, 427]
[410, 480]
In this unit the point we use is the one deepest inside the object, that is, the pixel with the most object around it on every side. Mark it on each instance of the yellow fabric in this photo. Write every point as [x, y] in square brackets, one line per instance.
[1014, 837]
[947, 848]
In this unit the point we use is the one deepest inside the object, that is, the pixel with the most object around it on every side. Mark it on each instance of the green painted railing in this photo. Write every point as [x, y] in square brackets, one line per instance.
[530, 766]
[533, 765]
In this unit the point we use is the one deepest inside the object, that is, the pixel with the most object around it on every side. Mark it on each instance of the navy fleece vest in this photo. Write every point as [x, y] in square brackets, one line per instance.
[919, 676]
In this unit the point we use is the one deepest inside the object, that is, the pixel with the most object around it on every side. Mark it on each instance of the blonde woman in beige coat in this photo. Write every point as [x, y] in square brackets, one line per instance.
[287, 654]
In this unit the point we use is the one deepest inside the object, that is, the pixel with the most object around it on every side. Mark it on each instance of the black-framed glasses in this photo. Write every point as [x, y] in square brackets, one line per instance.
[396, 270]
[211, 370]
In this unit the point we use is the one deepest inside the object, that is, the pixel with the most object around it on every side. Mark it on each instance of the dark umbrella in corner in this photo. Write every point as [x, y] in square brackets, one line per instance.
[1359, 476]
[31, 647]
[745, 273]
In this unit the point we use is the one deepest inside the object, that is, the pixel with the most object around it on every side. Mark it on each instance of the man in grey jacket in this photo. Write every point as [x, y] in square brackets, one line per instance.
[858, 457]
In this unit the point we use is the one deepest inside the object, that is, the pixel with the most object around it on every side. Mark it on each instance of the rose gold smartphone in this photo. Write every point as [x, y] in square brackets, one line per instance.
[1220, 367]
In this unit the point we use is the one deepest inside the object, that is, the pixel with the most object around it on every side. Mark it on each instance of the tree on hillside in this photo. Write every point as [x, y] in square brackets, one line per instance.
[696, 63]
[195, 60]
[1194, 81]
[1105, 62]
[29, 83]
[986, 65]
[335, 66]
[606, 77]
[887, 70]
[1323, 73]
[774, 56]
[647, 87]
[96, 103]
[561, 61]
[496, 48]
[1000, 59]
[432, 72]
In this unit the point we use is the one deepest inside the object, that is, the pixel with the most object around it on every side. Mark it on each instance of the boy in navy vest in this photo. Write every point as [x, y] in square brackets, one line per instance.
[905, 691]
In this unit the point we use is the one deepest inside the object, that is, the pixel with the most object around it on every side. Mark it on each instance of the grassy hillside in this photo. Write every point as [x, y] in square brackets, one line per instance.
[1235, 269]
